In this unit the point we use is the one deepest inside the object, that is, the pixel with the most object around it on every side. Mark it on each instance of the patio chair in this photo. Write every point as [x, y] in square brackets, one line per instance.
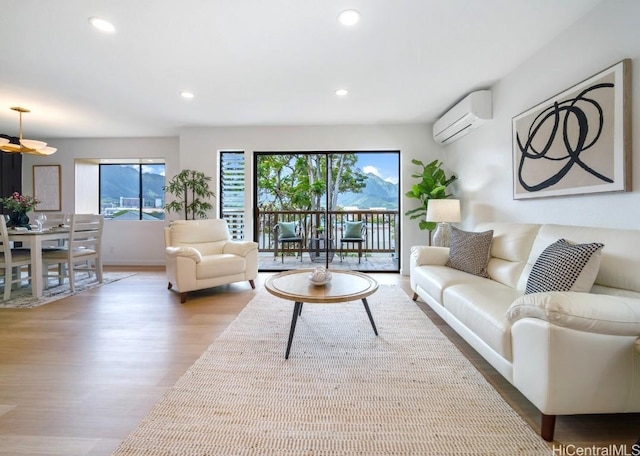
[355, 233]
[288, 233]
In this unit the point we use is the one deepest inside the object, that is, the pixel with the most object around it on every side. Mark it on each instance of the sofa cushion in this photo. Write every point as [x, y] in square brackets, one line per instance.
[602, 314]
[482, 307]
[219, 266]
[510, 249]
[511, 241]
[433, 279]
[469, 252]
[208, 236]
[287, 230]
[620, 260]
[563, 266]
[353, 230]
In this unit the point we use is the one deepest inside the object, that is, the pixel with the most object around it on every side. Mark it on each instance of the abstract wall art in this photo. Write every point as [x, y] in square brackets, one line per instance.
[578, 141]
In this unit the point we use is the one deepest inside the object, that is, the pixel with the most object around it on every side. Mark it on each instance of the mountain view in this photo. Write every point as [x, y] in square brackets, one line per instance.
[120, 192]
[377, 193]
[117, 181]
[123, 181]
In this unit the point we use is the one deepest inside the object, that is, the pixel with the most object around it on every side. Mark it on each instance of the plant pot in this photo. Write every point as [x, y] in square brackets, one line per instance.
[320, 248]
[19, 219]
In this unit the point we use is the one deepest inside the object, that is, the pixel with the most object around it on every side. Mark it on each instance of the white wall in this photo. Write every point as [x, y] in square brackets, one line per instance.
[482, 159]
[199, 146]
[142, 243]
[124, 242]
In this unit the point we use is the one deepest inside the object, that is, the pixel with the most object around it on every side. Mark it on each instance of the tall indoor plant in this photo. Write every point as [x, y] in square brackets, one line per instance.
[191, 193]
[432, 184]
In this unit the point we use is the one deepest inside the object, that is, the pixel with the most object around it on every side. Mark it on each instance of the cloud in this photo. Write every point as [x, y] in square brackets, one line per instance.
[372, 170]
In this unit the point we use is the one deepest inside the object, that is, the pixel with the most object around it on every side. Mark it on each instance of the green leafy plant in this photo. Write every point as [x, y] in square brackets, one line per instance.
[190, 190]
[432, 184]
[19, 203]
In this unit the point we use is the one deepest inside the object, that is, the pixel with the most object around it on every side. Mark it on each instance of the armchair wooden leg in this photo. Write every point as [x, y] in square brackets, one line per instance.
[253, 285]
[169, 286]
[547, 427]
[183, 298]
[415, 296]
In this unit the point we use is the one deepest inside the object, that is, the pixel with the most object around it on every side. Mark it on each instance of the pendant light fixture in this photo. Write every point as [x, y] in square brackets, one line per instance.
[26, 146]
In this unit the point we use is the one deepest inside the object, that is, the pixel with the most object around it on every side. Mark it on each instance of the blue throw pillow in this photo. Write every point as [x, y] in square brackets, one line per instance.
[287, 229]
[353, 230]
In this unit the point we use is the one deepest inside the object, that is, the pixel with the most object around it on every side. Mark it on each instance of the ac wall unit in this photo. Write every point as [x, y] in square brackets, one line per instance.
[470, 113]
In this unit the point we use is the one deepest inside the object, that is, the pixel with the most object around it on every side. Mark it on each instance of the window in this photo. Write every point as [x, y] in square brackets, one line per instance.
[232, 192]
[132, 191]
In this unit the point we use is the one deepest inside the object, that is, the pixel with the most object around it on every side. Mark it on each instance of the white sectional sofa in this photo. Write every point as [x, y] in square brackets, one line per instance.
[567, 352]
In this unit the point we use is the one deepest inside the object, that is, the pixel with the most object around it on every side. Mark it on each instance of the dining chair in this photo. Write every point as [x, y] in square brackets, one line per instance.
[54, 221]
[12, 261]
[83, 252]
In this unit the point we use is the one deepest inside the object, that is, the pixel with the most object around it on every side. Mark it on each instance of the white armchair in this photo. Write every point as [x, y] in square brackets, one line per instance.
[200, 254]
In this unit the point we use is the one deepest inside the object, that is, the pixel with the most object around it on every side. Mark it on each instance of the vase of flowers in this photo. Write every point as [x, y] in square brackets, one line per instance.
[19, 205]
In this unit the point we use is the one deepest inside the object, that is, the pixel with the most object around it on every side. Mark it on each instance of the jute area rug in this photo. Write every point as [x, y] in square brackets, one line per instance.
[23, 299]
[343, 391]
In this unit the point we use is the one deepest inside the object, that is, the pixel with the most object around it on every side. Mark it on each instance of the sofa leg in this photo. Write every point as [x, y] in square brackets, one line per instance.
[547, 426]
[415, 296]
[183, 298]
[169, 286]
[253, 285]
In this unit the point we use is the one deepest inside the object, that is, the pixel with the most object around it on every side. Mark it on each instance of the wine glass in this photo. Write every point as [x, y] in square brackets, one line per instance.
[40, 219]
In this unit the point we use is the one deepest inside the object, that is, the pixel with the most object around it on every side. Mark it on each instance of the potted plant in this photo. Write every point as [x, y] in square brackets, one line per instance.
[190, 190]
[19, 205]
[432, 184]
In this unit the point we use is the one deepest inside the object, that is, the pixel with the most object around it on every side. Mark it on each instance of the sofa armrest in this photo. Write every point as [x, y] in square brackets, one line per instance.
[240, 248]
[588, 312]
[424, 254]
[185, 252]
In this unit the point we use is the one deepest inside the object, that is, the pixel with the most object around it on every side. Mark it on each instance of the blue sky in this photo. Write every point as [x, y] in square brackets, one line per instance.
[382, 164]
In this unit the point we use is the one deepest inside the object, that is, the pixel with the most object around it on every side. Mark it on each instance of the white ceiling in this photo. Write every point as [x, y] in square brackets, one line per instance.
[256, 62]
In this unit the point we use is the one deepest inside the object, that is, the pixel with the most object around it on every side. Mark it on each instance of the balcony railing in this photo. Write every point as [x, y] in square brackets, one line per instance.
[235, 222]
[381, 232]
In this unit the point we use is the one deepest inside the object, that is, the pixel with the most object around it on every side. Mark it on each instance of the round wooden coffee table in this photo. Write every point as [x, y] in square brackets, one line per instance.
[344, 286]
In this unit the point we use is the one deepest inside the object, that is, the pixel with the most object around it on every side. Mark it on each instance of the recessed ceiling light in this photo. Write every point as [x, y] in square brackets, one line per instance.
[186, 94]
[102, 24]
[349, 17]
[342, 92]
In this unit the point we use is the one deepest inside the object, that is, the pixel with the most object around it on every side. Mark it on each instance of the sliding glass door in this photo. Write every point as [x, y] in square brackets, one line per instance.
[334, 209]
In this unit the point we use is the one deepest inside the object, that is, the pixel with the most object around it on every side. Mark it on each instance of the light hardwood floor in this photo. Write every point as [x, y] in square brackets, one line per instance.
[77, 375]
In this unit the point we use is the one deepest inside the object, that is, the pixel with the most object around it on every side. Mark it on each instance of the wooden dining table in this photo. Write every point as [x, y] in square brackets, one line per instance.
[34, 239]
